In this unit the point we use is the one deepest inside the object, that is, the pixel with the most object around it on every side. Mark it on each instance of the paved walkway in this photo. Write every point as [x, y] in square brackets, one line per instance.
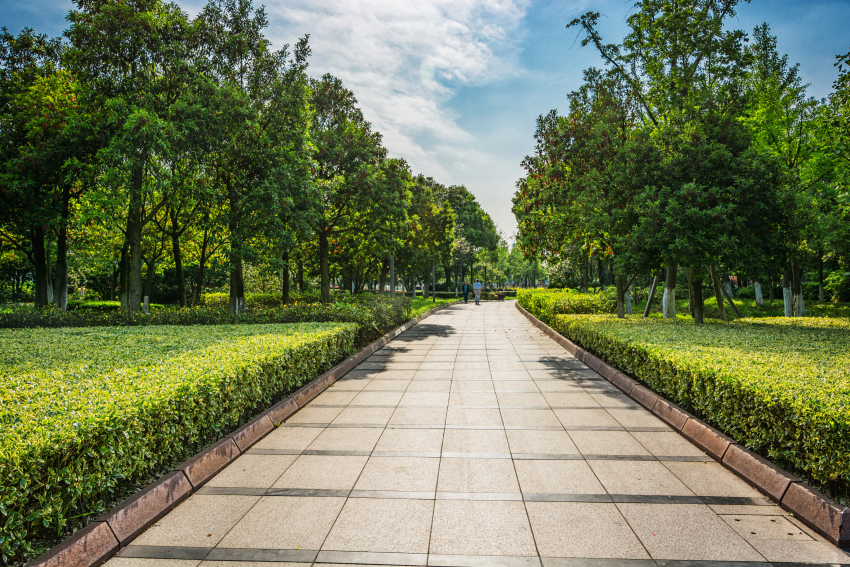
[473, 439]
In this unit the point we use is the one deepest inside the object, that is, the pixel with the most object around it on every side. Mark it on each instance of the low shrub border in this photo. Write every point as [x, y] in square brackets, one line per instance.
[104, 537]
[824, 515]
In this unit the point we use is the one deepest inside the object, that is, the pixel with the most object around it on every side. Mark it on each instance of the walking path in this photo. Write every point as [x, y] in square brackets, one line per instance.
[473, 439]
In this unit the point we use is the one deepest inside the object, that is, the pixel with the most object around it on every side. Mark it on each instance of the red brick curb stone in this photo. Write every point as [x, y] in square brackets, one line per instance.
[827, 517]
[97, 542]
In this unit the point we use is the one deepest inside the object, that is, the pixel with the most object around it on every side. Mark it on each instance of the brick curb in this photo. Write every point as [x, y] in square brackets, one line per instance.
[818, 511]
[104, 537]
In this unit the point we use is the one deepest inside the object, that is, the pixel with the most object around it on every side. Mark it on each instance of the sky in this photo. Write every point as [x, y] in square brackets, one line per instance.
[455, 86]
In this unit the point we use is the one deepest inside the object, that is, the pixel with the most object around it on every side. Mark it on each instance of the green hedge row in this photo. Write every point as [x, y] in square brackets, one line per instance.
[76, 304]
[89, 414]
[220, 300]
[375, 316]
[780, 386]
[546, 304]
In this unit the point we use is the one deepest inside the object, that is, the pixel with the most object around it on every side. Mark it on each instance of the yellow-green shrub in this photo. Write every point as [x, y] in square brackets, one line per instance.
[780, 386]
[546, 304]
[87, 414]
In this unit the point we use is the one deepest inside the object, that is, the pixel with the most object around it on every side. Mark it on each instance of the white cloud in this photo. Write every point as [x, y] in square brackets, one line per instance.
[404, 60]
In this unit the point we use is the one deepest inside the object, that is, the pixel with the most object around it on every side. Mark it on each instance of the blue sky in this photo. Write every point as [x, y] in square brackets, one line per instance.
[456, 85]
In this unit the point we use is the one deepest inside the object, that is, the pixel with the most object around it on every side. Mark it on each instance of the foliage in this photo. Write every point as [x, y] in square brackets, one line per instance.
[780, 386]
[374, 316]
[101, 305]
[87, 413]
[547, 304]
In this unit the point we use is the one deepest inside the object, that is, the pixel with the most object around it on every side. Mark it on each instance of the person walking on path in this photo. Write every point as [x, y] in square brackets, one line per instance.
[477, 289]
[465, 289]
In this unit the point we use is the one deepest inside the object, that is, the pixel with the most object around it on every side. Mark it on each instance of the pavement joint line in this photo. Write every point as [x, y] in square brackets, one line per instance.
[461, 455]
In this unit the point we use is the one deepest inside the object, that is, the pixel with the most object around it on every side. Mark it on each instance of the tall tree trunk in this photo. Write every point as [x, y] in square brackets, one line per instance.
[49, 272]
[690, 292]
[202, 264]
[123, 286]
[620, 283]
[40, 260]
[134, 241]
[601, 271]
[668, 306]
[285, 277]
[116, 273]
[385, 271]
[323, 265]
[584, 270]
[178, 259]
[146, 294]
[426, 284]
[237, 282]
[759, 294]
[650, 297]
[698, 302]
[718, 293]
[731, 303]
[60, 289]
[771, 291]
[821, 297]
[796, 288]
[300, 273]
[786, 291]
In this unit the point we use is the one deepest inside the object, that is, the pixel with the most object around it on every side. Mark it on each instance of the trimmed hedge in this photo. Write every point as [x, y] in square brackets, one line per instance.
[76, 304]
[221, 300]
[546, 304]
[780, 386]
[87, 415]
[375, 316]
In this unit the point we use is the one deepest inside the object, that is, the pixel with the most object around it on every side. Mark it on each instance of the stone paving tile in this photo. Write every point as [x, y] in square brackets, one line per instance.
[408, 474]
[608, 442]
[377, 385]
[477, 475]
[429, 386]
[346, 439]
[686, 531]
[666, 443]
[585, 418]
[557, 477]
[479, 528]
[541, 442]
[418, 416]
[292, 438]
[279, 522]
[322, 472]
[473, 399]
[253, 471]
[140, 562]
[315, 415]
[361, 415]
[475, 441]
[384, 526]
[419, 440]
[710, 479]
[638, 477]
[200, 521]
[425, 399]
[579, 529]
[530, 417]
[471, 386]
[463, 416]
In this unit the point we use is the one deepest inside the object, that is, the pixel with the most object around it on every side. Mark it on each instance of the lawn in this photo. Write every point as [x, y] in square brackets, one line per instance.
[420, 305]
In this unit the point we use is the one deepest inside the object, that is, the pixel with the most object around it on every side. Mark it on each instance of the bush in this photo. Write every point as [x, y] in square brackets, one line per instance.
[375, 316]
[89, 413]
[545, 304]
[76, 304]
[780, 386]
[221, 300]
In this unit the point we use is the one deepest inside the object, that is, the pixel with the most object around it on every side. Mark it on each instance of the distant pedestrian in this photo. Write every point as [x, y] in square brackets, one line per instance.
[477, 289]
[465, 289]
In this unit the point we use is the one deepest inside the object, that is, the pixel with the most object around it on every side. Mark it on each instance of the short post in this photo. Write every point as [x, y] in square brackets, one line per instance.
[392, 276]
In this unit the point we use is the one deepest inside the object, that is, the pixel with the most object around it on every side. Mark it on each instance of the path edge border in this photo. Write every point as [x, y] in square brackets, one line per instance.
[101, 539]
[824, 515]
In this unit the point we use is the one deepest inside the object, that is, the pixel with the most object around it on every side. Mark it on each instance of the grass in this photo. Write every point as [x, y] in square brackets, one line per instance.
[420, 305]
[747, 307]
